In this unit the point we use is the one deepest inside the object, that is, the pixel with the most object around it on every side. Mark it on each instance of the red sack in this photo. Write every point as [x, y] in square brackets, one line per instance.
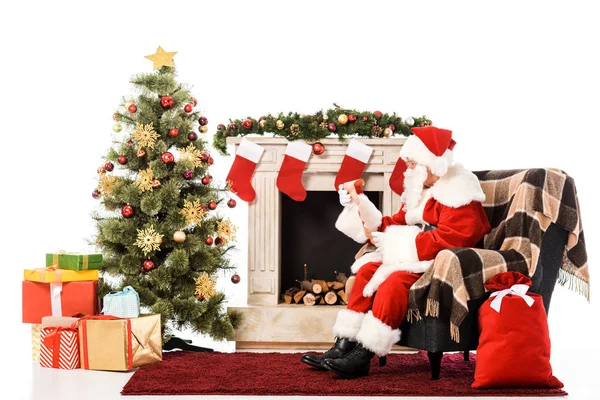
[514, 345]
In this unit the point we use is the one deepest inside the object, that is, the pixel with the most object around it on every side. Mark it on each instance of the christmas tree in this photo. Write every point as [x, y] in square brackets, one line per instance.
[160, 229]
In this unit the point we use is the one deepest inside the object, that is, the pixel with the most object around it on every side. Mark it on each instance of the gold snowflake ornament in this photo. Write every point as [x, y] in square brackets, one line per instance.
[145, 135]
[226, 231]
[148, 240]
[193, 212]
[107, 183]
[144, 180]
[192, 154]
[205, 286]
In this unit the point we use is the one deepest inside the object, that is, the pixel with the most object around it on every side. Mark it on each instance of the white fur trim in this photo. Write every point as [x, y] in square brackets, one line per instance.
[370, 215]
[373, 256]
[457, 188]
[299, 150]
[376, 336]
[359, 151]
[350, 224]
[250, 150]
[415, 215]
[347, 324]
[415, 149]
[398, 244]
[385, 271]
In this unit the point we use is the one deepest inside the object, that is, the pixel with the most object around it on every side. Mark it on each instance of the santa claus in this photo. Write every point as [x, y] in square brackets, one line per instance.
[441, 208]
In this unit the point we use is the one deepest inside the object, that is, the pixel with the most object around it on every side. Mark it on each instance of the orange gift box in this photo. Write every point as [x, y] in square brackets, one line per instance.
[58, 299]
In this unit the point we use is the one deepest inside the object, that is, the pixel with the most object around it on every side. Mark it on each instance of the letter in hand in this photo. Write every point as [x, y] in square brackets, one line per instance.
[351, 186]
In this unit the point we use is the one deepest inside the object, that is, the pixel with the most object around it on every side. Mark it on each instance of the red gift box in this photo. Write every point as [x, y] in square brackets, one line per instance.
[59, 348]
[58, 299]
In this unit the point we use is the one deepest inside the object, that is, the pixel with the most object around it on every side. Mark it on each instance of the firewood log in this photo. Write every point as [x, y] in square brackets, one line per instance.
[298, 296]
[316, 288]
[322, 301]
[335, 285]
[340, 277]
[322, 283]
[331, 298]
[305, 285]
[310, 299]
[342, 295]
[288, 296]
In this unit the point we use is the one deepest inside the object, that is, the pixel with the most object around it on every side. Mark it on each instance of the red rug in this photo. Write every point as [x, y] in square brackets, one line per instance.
[280, 374]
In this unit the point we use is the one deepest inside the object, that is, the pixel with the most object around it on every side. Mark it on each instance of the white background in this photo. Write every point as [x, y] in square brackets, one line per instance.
[516, 81]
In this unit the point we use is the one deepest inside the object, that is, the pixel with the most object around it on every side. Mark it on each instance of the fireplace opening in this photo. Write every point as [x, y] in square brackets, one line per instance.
[309, 236]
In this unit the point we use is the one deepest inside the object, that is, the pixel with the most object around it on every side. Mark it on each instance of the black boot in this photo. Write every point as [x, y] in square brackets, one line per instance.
[341, 347]
[356, 363]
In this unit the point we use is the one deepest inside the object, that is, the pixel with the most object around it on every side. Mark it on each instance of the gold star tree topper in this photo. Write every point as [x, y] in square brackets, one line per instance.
[162, 58]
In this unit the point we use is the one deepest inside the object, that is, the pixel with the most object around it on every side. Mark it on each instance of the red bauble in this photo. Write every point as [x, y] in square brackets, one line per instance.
[167, 157]
[188, 108]
[232, 127]
[166, 102]
[351, 118]
[122, 160]
[188, 174]
[193, 100]
[332, 127]
[148, 265]
[365, 118]
[247, 124]
[173, 132]
[204, 157]
[192, 136]
[261, 119]
[318, 148]
[231, 203]
[132, 108]
[218, 241]
[109, 166]
[129, 143]
[96, 193]
[210, 160]
[392, 127]
[202, 121]
[209, 241]
[212, 205]
[235, 278]
[377, 114]
[205, 180]
[127, 211]
[220, 127]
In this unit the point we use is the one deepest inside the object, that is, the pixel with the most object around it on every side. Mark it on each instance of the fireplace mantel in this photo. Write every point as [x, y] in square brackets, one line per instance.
[265, 319]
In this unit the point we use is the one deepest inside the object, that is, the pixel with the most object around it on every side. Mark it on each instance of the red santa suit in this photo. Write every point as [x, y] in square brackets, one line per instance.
[379, 298]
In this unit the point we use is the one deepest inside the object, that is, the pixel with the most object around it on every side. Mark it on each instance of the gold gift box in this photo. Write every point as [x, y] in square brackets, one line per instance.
[119, 344]
[48, 275]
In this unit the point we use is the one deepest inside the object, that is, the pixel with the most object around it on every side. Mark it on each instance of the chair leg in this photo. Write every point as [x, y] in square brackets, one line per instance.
[466, 355]
[382, 361]
[435, 360]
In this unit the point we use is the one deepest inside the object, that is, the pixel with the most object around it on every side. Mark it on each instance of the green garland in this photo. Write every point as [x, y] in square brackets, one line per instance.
[311, 128]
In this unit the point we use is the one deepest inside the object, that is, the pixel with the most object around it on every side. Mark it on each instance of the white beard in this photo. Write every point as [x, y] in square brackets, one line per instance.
[413, 186]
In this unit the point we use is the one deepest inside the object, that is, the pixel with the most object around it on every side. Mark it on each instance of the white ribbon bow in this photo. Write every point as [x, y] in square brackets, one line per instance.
[517, 290]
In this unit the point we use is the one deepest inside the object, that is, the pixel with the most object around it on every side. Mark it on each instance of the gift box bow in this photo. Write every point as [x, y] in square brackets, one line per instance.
[515, 290]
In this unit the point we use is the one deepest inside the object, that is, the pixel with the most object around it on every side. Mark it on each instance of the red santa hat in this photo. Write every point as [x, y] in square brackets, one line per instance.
[430, 146]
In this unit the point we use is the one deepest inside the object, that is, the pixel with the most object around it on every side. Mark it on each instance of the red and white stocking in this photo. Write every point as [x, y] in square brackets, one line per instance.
[289, 180]
[240, 175]
[354, 162]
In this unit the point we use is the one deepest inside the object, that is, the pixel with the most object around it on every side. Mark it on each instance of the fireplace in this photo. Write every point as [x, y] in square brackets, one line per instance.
[269, 323]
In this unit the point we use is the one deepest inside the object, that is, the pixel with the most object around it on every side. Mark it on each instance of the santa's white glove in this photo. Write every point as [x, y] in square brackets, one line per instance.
[378, 240]
[345, 199]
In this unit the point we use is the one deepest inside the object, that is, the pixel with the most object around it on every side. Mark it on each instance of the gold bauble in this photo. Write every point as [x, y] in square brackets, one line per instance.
[155, 184]
[101, 170]
[387, 132]
[325, 117]
[280, 124]
[203, 129]
[179, 236]
[261, 123]
[140, 153]
[342, 119]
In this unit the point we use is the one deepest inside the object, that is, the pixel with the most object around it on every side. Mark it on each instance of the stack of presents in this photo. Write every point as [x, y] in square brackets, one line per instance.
[61, 302]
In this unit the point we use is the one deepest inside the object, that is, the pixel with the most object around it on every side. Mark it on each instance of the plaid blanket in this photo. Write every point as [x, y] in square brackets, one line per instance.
[520, 205]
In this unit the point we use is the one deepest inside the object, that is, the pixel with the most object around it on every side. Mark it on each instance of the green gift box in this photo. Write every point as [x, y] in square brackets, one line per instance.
[74, 261]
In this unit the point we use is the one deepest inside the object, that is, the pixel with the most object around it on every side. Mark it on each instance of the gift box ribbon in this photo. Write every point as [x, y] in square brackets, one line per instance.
[84, 258]
[52, 341]
[46, 271]
[83, 329]
[515, 290]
